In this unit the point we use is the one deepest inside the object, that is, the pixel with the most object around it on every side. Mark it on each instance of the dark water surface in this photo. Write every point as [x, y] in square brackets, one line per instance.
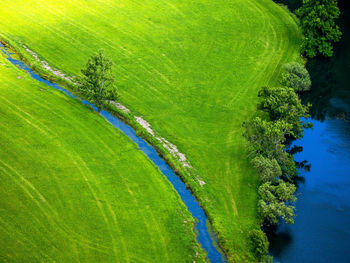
[321, 232]
[203, 231]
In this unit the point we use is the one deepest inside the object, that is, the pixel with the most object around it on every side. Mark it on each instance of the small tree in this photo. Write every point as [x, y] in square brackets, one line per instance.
[296, 76]
[317, 19]
[97, 80]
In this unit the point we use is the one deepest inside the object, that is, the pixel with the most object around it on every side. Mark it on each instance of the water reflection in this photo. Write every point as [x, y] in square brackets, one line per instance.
[279, 241]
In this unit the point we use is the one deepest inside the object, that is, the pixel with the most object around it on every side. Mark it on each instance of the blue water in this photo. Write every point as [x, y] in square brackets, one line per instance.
[202, 229]
[321, 232]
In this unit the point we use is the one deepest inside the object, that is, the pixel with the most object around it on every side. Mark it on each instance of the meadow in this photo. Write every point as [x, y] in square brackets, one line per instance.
[192, 69]
[75, 189]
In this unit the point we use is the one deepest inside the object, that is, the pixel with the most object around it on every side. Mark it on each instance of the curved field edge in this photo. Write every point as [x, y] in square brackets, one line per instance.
[74, 188]
[192, 70]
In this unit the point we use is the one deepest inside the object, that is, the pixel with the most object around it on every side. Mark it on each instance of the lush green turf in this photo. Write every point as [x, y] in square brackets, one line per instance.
[75, 189]
[191, 68]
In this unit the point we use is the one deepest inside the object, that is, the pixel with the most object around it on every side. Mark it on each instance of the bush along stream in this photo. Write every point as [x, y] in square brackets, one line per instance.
[280, 119]
[203, 230]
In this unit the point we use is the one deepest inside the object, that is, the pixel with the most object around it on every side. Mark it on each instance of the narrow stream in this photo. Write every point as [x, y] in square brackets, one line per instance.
[203, 230]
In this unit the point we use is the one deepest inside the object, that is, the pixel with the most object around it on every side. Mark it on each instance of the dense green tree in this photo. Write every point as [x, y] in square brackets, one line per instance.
[276, 167]
[260, 243]
[266, 143]
[267, 137]
[317, 18]
[268, 170]
[282, 103]
[97, 80]
[296, 76]
[275, 202]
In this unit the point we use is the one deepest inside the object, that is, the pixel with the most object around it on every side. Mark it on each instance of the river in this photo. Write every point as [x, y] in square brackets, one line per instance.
[321, 232]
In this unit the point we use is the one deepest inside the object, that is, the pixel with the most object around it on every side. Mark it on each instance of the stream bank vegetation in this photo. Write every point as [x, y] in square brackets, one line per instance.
[318, 22]
[281, 115]
[97, 80]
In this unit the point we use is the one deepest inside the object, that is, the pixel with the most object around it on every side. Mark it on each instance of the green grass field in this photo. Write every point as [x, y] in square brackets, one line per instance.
[75, 189]
[190, 68]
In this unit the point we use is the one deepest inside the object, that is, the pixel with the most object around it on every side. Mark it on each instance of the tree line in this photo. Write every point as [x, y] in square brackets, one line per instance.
[283, 117]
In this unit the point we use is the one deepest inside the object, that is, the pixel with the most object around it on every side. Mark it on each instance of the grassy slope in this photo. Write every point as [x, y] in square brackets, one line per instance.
[191, 68]
[73, 188]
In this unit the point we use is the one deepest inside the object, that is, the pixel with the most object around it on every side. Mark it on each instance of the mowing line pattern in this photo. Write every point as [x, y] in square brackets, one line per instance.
[191, 68]
[74, 189]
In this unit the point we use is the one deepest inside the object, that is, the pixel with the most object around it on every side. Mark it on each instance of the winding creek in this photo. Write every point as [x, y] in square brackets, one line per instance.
[203, 230]
[321, 231]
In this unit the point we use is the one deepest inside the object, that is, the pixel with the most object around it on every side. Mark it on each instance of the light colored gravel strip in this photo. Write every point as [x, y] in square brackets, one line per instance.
[166, 144]
[45, 65]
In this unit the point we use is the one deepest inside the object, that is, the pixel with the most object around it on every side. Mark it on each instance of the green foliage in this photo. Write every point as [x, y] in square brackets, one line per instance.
[317, 19]
[287, 164]
[275, 201]
[275, 167]
[268, 170]
[97, 79]
[267, 259]
[260, 243]
[267, 137]
[296, 76]
[282, 103]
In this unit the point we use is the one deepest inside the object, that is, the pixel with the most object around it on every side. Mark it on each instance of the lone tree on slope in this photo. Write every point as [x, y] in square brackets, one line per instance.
[317, 19]
[97, 80]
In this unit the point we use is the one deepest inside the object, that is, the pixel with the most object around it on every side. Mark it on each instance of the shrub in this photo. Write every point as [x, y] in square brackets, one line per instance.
[259, 242]
[296, 76]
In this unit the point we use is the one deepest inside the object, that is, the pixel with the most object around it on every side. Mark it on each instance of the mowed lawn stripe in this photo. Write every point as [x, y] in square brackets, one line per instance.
[150, 220]
[83, 173]
[191, 68]
[75, 189]
[52, 135]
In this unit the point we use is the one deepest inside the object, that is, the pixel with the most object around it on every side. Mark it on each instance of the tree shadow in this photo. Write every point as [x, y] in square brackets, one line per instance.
[279, 240]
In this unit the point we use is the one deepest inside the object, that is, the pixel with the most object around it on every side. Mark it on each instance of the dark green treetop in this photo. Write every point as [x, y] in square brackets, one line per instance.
[317, 18]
